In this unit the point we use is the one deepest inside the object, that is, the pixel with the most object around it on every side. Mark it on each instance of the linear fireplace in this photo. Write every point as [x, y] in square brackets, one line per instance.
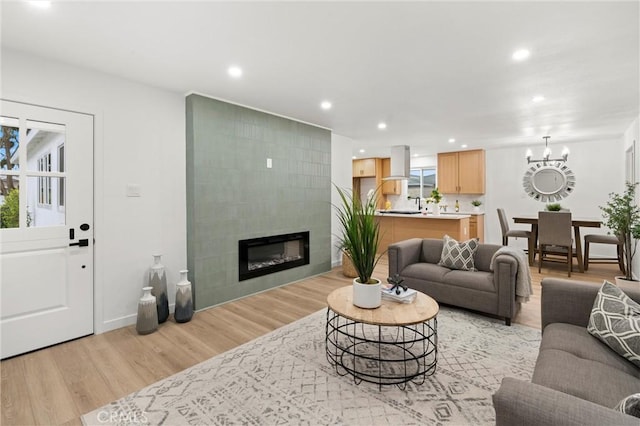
[266, 255]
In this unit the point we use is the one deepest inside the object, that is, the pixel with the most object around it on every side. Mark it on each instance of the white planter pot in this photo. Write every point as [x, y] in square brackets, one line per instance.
[476, 208]
[624, 283]
[436, 209]
[367, 296]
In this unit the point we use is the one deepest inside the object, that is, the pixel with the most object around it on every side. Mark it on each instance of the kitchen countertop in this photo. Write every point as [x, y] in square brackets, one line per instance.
[471, 213]
[450, 216]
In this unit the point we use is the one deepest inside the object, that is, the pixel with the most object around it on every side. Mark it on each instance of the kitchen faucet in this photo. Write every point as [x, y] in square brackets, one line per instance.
[417, 202]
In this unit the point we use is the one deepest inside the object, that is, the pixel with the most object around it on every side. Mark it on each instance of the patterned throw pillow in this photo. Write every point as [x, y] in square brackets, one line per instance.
[457, 255]
[615, 319]
[630, 405]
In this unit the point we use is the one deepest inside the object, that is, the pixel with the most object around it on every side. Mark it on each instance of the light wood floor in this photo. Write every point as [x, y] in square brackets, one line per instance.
[58, 384]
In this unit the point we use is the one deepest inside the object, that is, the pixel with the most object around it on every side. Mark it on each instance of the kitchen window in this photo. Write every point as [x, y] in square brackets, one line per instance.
[421, 182]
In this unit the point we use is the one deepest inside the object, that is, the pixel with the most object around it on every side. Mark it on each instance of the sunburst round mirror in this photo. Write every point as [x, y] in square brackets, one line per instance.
[551, 181]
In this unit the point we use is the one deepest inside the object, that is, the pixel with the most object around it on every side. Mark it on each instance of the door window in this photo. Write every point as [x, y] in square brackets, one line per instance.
[31, 195]
[9, 173]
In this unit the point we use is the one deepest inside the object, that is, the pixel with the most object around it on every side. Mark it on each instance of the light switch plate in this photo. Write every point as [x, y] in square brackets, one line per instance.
[269, 163]
[133, 190]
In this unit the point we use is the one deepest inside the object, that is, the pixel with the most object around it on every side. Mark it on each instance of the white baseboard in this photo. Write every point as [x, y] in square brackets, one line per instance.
[120, 322]
[116, 323]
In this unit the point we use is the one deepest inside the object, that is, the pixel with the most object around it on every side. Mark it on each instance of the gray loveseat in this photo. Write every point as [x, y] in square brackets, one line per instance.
[493, 292]
[577, 379]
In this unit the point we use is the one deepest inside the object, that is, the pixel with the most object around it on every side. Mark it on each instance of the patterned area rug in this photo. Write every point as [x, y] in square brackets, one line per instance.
[283, 378]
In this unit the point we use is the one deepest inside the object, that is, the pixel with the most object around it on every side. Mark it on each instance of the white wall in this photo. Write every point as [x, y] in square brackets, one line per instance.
[599, 170]
[139, 138]
[341, 170]
[632, 137]
[423, 162]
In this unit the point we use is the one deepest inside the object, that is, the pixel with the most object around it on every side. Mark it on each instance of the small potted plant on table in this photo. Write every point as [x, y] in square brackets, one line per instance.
[554, 207]
[359, 242]
[622, 216]
[476, 205]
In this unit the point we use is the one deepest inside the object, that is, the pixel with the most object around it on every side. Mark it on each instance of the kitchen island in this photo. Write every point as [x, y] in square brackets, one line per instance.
[396, 227]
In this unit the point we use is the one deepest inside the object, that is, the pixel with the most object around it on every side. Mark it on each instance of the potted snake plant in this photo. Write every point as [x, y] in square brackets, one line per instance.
[359, 242]
[622, 216]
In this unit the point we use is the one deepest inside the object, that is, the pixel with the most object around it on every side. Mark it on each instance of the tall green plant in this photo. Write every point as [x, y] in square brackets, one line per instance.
[622, 215]
[360, 233]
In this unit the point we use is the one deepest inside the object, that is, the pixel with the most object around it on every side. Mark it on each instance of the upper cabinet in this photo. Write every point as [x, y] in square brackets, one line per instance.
[448, 172]
[389, 187]
[461, 172]
[365, 167]
[368, 168]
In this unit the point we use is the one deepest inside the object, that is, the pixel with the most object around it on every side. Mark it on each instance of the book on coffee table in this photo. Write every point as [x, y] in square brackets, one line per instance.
[398, 295]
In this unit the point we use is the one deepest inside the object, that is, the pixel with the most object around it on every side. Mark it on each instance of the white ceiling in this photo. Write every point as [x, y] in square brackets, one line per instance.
[430, 70]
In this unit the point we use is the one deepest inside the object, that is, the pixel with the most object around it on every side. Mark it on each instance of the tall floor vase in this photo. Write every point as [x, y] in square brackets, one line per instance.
[184, 299]
[147, 321]
[158, 281]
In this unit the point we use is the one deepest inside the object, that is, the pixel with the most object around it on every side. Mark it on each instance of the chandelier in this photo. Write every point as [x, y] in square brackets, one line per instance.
[547, 154]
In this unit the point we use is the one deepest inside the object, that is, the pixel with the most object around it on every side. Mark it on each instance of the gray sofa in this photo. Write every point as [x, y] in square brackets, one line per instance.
[493, 292]
[577, 379]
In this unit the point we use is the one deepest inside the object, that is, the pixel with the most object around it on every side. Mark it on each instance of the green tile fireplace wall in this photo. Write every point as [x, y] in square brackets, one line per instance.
[232, 195]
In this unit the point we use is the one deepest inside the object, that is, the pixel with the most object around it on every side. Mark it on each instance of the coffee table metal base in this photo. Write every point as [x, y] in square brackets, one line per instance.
[383, 355]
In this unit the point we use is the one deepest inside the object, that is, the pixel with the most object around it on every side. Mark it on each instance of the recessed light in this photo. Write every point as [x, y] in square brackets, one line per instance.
[463, 145]
[354, 157]
[234, 71]
[537, 98]
[452, 140]
[40, 4]
[325, 105]
[361, 151]
[520, 55]
[382, 126]
[415, 155]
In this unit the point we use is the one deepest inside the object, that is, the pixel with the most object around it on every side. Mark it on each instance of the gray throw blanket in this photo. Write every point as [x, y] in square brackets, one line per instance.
[523, 278]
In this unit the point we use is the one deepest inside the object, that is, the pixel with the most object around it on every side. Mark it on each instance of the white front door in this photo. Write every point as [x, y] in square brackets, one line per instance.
[46, 226]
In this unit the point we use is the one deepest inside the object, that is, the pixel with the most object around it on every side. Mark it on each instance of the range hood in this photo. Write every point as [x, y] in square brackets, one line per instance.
[400, 162]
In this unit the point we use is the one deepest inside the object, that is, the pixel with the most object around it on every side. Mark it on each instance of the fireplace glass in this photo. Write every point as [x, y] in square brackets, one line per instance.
[266, 255]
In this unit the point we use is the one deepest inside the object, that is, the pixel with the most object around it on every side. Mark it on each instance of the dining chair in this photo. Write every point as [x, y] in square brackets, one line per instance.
[506, 232]
[554, 238]
[514, 233]
[604, 239]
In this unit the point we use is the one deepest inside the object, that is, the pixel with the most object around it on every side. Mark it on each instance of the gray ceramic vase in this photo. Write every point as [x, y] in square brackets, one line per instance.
[184, 299]
[147, 321]
[158, 281]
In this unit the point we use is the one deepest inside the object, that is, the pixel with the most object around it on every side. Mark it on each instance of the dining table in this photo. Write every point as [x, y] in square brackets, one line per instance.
[576, 222]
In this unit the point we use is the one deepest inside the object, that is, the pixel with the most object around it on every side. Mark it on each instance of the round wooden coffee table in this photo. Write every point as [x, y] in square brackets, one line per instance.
[390, 345]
